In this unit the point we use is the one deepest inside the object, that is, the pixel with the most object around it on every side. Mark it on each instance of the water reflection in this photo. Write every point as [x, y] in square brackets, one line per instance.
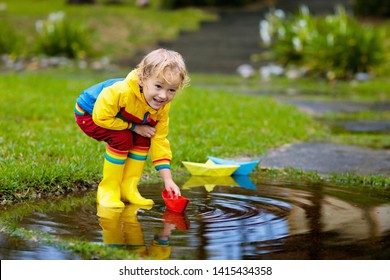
[232, 218]
[121, 228]
[209, 182]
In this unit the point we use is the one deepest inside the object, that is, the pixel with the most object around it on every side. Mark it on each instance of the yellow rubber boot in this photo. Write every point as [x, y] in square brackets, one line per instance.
[132, 173]
[159, 251]
[110, 222]
[108, 193]
[132, 229]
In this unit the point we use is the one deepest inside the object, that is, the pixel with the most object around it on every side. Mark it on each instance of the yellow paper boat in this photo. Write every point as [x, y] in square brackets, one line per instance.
[209, 182]
[209, 169]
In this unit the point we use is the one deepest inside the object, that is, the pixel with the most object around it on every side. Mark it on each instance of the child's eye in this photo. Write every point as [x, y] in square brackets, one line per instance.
[157, 86]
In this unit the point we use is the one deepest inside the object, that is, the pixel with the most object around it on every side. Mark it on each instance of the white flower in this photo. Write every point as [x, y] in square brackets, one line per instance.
[39, 26]
[246, 70]
[279, 14]
[56, 16]
[297, 44]
[264, 32]
[275, 69]
[302, 23]
[304, 10]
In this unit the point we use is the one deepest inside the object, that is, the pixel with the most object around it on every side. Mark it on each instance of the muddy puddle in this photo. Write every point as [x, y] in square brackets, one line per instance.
[227, 219]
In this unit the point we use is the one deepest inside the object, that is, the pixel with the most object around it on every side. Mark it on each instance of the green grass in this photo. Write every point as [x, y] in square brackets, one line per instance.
[224, 123]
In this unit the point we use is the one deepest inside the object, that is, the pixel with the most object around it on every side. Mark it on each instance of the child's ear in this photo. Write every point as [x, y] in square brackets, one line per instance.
[140, 82]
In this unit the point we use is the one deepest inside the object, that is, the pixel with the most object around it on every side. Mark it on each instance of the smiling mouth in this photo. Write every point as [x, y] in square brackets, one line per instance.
[159, 101]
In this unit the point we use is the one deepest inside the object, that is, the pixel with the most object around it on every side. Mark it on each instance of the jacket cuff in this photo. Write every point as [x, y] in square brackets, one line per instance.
[132, 126]
[162, 164]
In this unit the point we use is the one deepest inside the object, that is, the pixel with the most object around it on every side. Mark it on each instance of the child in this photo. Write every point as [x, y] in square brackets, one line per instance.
[132, 116]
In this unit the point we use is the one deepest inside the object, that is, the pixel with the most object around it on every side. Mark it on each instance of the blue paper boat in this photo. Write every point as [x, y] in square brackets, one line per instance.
[245, 167]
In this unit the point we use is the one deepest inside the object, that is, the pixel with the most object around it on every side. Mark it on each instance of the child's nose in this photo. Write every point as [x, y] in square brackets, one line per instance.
[164, 94]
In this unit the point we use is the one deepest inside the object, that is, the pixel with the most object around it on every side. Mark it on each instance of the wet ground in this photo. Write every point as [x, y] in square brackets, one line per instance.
[319, 108]
[326, 158]
[227, 219]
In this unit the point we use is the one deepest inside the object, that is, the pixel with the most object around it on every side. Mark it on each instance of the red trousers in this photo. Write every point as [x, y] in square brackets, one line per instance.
[122, 140]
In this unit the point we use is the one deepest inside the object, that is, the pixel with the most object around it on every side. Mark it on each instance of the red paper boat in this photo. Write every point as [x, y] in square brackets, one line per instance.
[178, 219]
[176, 204]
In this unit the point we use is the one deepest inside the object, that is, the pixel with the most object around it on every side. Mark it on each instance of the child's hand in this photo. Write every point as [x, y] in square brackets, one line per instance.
[170, 185]
[172, 188]
[145, 130]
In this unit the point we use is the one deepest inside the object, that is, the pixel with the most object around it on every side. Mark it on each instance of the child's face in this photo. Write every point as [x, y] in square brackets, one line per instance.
[158, 92]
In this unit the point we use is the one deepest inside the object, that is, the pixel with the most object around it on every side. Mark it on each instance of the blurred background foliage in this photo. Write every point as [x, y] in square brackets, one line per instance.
[169, 3]
[85, 31]
[335, 46]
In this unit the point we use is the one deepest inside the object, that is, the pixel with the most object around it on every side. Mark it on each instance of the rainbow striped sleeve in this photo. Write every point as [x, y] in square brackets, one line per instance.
[162, 163]
[132, 126]
[78, 110]
[138, 153]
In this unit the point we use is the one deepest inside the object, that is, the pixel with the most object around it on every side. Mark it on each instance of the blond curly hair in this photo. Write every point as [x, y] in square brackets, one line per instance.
[165, 63]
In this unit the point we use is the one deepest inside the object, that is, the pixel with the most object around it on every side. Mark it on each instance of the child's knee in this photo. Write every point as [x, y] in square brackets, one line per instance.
[122, 140]
[139, 140]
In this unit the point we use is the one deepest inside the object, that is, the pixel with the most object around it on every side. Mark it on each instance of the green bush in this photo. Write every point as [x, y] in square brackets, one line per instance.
[58, 36]
[287, 36]
[335, 45]
[343, 47]
[10, 42]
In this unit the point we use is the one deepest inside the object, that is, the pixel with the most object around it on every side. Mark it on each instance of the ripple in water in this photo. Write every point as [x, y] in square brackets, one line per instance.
[233, 224]
[224, 222]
